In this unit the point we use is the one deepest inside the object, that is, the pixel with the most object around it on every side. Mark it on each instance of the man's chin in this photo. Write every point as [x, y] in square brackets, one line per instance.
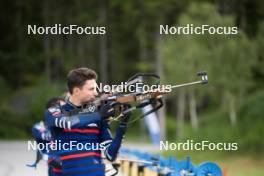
[89, 101]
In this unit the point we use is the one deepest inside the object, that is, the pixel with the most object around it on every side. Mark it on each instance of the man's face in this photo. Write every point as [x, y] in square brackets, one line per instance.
[87, 92]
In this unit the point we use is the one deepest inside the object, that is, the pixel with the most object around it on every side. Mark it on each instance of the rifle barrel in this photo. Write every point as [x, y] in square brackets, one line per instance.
[186, 84]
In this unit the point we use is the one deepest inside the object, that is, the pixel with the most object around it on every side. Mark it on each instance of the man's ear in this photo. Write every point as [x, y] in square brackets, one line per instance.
[75, 90]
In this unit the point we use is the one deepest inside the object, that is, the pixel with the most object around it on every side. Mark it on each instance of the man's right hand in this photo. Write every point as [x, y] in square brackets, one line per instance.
[126, 114]
[107, 110]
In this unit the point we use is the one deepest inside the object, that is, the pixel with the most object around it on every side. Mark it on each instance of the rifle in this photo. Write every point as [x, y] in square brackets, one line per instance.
[142, 99]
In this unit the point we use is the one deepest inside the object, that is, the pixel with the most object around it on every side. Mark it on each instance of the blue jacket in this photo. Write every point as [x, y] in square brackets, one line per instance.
[43, 135]
[91, 139]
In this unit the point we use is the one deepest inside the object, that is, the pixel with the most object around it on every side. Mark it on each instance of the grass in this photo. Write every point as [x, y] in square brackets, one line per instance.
[242, 166]
[231, 164]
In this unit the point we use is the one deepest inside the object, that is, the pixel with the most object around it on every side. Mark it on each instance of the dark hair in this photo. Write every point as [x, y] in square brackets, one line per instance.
[54, 101]
[77, 77]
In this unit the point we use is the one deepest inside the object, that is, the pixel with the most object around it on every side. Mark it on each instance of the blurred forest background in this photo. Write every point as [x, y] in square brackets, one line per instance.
[230, 109]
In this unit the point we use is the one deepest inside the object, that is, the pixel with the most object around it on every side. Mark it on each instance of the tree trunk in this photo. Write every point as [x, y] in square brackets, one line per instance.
[81, 52]
[160, 72]
[47, 44]
[103, 44]
[229, 103]
[180, 113]
[192, 110]
[232, 112]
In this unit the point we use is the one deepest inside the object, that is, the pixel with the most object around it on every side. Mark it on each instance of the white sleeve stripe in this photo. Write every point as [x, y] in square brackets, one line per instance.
[106, 142]
[64, 123]
[61, 122]
[42, 136]
[69, 125]
[56, 122]
[107, 155]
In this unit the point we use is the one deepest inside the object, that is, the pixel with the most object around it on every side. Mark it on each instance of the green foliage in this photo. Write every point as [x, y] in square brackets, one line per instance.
[12, 125]
[4, 87]
[251, 123]
[258, 67]
[40, 96]
[222, 56]
[249, 132]
[25, 108]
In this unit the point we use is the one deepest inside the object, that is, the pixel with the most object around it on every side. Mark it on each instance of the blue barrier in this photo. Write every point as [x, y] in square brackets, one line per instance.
[171, 166]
